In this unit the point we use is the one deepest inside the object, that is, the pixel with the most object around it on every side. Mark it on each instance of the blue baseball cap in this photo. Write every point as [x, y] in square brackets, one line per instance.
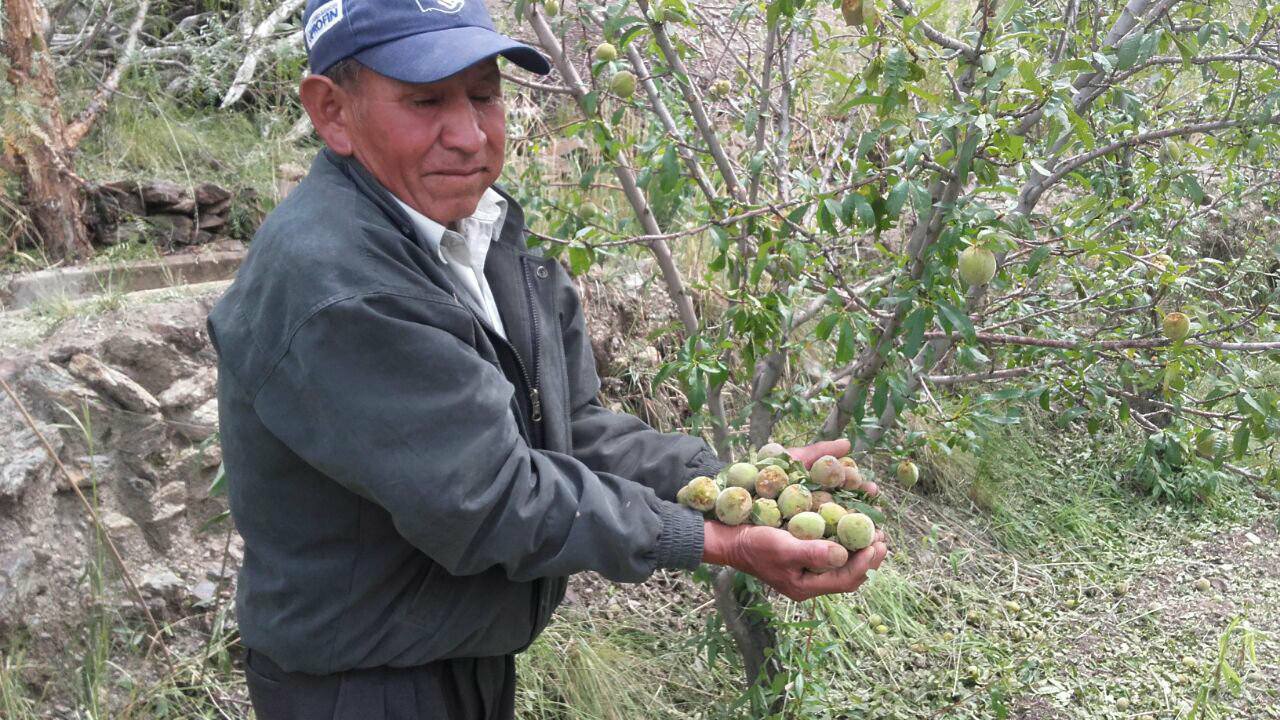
[417, 41]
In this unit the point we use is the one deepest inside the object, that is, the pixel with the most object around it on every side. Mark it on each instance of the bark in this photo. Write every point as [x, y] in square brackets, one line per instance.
[38, 151]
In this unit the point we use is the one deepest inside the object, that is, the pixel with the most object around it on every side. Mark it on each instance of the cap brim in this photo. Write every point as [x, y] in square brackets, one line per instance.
[428, 57]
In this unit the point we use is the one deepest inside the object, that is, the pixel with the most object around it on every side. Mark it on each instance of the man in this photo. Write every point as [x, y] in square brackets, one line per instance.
[415, 452]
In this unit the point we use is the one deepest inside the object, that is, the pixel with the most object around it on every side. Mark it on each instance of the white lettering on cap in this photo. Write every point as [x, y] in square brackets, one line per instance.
[441, 6]
[322, 21]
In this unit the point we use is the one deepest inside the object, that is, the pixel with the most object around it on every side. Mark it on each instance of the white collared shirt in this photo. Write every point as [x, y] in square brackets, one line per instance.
[463, 250]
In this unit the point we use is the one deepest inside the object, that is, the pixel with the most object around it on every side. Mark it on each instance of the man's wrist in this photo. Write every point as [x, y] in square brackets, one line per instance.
[719, 543]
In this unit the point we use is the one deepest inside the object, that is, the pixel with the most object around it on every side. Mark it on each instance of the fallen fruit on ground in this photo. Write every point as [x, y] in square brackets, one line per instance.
[733, 506]
[806, 526]
[831, 514]
[977, 265]
[702, 493]
[794, 499]
[606, 52]
[874, 619]
[551, 7]
[765, 512]
[623, 83]
[770, 481]
[1203, 585]
[827, 472]
[908, 474]
[882, 629]
[1176, 326]
[855, 531]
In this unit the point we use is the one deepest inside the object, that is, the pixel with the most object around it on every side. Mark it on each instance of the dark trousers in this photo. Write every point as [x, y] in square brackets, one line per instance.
[462, 689]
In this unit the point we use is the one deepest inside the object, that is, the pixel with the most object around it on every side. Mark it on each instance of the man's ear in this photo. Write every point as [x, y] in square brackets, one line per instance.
[329, 106]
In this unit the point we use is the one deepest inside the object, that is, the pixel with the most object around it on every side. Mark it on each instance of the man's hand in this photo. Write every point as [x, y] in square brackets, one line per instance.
[782, 561]
[836, 448]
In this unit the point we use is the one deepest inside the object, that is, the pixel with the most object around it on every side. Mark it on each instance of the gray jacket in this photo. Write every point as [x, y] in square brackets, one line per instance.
[409, 485]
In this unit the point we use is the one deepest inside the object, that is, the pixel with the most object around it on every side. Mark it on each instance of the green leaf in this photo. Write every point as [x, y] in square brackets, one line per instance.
[845, 347]
[866, 215]
[956, 320]
[824, 327]
[1038, 256]
[1240, 442]
[1127, 54]
[914, 327]
[897, 198]
[219, 484]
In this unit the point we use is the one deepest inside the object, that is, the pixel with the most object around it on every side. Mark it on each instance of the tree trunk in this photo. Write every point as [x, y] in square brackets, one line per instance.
[38, 149]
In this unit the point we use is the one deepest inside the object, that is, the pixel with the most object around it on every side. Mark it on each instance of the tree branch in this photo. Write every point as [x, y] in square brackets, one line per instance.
[257, 46]
[937, 36]
[80, 127]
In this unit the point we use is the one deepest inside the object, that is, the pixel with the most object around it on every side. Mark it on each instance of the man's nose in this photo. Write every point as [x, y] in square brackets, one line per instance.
[461, 130]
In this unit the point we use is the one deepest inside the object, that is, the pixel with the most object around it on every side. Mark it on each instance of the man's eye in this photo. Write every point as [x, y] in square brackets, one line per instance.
[425, 102]
[493, 97]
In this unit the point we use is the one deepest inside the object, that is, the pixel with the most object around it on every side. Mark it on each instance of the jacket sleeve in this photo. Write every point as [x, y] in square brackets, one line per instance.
[409, 416]
[618, 443]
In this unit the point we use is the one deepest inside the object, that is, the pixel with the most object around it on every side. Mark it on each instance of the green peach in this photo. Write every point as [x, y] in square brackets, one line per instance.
[794, 499]
[606, 52]
[742, 475]
[827, 472]
[977, 265]
[806, 526]
[908, 474]
[772, 450]
[733, 506]
[765, 512]
[623, 83]
[831, 514]
[1176, 326]
[770, 480]
[855, 531]
[702, 493]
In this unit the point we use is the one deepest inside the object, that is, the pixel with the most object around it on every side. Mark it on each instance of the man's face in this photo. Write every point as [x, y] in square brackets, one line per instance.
[436, 146]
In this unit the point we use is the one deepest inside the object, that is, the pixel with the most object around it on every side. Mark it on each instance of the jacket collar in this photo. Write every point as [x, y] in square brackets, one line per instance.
[513, 228]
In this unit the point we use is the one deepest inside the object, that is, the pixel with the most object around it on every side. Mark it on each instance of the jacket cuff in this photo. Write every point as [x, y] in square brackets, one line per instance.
[704, 463]
[680, 540]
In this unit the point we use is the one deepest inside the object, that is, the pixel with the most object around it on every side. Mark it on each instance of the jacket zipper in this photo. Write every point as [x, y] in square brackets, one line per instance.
[535, 397]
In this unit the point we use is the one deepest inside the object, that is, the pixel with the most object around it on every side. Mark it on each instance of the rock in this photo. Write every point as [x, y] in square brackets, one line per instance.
[1253, 538]
[219, 208]
[175, 229]
[126, 535]
[23, 463]
[174, 493]
[189, 391]
[16, 579]
[163, 195]
[160, 582]
[211, 222]
[208, 194]
[125, 195]
[113, 384]
[204, 592]
[152, 362]
[202, 423]
[87, 470]
[52, 389]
